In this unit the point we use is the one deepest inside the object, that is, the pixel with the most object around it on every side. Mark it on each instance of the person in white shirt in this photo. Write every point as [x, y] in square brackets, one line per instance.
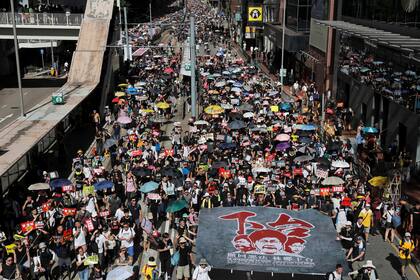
[336, 274]
[126, 236]
[79, 236]
[201, 272]
[119, 213]
[99, 238]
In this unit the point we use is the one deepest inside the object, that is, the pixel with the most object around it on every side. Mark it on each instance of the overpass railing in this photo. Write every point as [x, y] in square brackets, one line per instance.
[62, 19]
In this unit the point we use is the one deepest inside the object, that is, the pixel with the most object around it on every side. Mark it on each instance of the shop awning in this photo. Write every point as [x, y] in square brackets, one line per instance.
[394, 40]
[268, 240]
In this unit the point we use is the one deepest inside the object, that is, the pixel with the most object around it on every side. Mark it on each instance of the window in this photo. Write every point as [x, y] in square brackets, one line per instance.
[298, 15]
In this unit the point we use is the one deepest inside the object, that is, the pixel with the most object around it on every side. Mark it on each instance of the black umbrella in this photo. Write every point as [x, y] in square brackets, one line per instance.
[141, 172]
[246, 107]
[219, 164]
[236, 125]
[171, 172]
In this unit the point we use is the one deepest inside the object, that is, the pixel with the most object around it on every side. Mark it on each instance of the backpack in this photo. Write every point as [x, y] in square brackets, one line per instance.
[327, 276]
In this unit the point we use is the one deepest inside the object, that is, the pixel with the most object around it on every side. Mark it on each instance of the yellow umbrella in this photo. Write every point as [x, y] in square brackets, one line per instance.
[119, 94]
[123, 85]
[163, 105]
[378, 181]
[213, 92]
[214, 110]
[147, 111]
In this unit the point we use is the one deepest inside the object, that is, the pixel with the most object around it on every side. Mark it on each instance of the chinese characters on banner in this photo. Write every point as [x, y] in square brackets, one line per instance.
[27, 226]
[69, 212]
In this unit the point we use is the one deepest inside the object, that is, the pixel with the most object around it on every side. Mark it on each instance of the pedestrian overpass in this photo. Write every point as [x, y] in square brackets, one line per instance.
[41, 26]
[35, 133]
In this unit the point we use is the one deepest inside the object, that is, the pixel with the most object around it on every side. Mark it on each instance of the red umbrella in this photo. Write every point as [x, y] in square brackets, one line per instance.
[115, 100]
[168, 70]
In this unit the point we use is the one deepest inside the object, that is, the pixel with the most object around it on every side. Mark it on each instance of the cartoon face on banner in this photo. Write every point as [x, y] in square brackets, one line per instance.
[283, 236]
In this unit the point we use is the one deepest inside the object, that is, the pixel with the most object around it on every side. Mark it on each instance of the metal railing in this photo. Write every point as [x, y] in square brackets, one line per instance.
[66, 19]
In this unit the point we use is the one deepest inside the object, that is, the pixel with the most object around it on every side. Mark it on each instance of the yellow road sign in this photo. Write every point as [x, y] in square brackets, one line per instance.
[255, 14]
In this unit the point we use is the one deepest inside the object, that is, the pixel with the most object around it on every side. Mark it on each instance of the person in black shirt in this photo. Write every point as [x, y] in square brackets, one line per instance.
[165, 244]
[9, 269]
[127, 218]
[22, 258]
[183, 269]
[347, 236]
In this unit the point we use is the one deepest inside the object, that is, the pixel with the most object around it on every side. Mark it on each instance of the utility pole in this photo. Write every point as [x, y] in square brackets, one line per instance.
[282, 43]
[120, 20]
[150, 10]
[12, 7]
[127, 49]
[192, 59]
[52, 55]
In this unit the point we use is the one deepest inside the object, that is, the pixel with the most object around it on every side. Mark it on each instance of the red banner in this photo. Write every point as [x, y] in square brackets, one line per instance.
[69, 212]
[104, 214]
[67, 234]
[324, 191]
[27, 226]
[69, 188]
[45, 207]
[337, 189]
[89, 225]
[169, 152]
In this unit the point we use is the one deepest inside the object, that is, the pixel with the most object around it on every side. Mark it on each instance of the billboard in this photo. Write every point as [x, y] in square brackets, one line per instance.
[255, 14]
[318, 36]
[264, 239]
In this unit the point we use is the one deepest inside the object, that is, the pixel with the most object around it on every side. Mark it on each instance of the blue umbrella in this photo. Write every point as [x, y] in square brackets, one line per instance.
[132, 91]
[149, 187]
[102, 185]
[305, 127]
[185, 171]
[370, 130]
[227, 146]
[237, 85]
[59, 183]
[285, 106]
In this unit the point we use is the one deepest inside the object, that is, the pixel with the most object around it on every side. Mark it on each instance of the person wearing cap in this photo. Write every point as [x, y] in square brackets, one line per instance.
[366, 272]
[185, 259]
[346, 235]
[406, 247]
[357, 253]
[150, 270]
[367, 220]
[206, 201]
[201, 272]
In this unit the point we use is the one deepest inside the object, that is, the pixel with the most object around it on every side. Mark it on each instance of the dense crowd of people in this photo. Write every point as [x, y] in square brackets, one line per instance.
[402, 86]
[250, 146]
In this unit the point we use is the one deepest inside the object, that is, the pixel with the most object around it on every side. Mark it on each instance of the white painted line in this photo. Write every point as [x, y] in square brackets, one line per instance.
[4, 106]
[6, 117]
[26, 92]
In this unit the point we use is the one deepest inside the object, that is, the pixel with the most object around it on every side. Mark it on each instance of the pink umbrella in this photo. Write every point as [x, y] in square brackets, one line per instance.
[124, 120]
[282, 137]
[168, 70]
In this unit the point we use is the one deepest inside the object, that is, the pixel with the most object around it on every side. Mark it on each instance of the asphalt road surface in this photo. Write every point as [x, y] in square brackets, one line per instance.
[32, 99]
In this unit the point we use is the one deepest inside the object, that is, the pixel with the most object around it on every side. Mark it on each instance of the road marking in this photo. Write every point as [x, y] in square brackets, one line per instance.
[4, 106]
[6, 117]
[26, 92]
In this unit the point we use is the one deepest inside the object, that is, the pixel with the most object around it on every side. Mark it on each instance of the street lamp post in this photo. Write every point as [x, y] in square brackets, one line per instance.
[22, 109]
[192, 58]
[282, 43]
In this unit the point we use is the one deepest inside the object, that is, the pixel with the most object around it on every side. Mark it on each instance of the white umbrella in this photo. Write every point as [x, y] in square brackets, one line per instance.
[120, 273]
[201, 122]
[332, 181]
[39, 187]
[248, 115]
[236, 89]
[261, 170]
[303, 158]
[226, 106]
[220, 84]
[340, 164]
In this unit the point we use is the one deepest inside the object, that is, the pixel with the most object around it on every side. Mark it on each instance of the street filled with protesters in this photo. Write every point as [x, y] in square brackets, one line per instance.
[131, 210]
